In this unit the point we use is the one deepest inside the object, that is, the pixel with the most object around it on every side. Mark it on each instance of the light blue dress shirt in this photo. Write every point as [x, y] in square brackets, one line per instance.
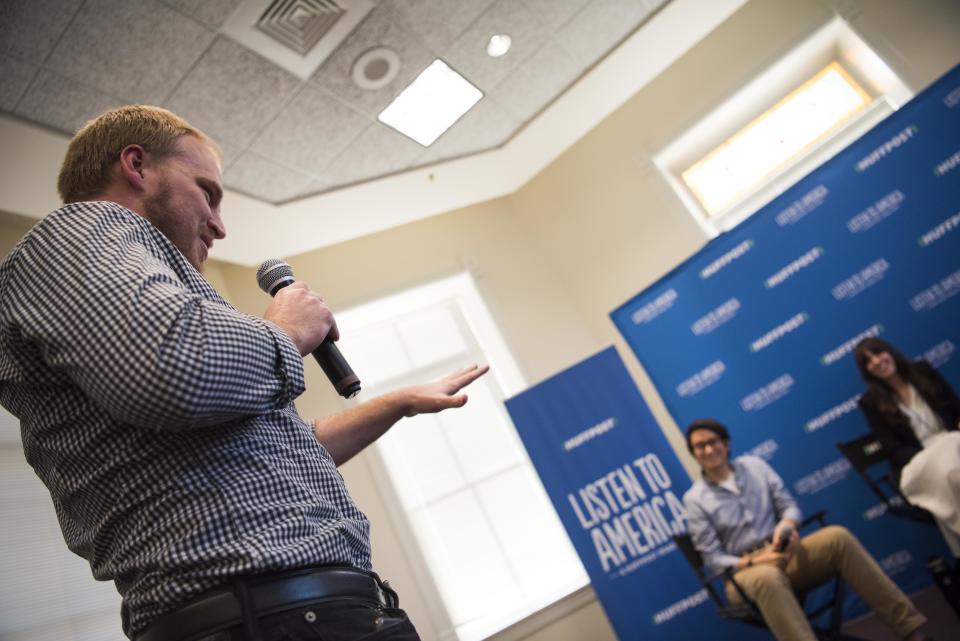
[724, 525]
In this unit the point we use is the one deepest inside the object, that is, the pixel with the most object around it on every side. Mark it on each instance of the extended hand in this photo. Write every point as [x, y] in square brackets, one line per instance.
[439, 395]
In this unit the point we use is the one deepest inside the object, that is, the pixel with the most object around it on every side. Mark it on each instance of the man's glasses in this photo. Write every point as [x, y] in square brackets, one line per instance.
[702, 445]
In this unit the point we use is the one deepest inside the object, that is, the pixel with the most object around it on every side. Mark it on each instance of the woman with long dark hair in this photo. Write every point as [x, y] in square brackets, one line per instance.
[910, 408]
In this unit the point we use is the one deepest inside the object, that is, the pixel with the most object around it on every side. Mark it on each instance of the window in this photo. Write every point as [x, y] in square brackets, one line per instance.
[811, 104]
[47, 591]
[462, 490]
[776, 139]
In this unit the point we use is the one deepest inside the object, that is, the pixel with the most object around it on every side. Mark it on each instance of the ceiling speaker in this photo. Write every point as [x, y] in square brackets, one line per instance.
[376, 68]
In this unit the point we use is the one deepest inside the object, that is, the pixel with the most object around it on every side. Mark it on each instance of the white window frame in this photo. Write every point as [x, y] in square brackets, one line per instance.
[491, 348]
[48, 591]
[835, 41]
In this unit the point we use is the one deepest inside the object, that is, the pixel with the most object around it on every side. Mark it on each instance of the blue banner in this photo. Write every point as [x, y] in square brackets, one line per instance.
[618, 488]
[757, 329]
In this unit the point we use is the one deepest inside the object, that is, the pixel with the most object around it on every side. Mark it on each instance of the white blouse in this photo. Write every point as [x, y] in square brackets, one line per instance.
[924, 422]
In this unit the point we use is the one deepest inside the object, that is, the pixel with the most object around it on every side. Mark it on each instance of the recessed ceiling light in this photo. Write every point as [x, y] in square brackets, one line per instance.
[499, 45]
[431, 103]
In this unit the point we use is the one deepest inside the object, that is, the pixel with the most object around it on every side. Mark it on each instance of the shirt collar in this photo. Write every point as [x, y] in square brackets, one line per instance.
[734, 465]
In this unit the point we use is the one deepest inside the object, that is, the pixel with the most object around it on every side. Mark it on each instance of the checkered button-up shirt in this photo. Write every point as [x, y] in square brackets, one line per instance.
[160, 418]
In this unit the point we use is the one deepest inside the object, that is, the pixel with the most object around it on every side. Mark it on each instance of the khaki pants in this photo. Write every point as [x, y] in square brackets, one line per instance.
[819, 557]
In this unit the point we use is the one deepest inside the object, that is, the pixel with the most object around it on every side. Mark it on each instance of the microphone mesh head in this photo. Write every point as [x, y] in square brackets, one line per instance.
[271, 271]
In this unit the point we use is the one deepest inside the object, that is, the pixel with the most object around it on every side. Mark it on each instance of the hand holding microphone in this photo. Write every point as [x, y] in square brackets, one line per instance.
[786, 533]
[302, 314]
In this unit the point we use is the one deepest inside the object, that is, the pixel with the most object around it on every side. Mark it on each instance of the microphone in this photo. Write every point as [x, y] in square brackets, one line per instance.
[784, 539]
[272, 276]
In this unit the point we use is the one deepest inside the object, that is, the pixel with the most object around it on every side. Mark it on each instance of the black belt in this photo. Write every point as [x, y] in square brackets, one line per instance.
[221, 609]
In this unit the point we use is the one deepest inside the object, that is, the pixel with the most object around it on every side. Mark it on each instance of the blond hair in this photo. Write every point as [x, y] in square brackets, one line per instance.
[93, 150]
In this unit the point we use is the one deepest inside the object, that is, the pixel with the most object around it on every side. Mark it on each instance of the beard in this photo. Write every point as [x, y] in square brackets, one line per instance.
[160, 210]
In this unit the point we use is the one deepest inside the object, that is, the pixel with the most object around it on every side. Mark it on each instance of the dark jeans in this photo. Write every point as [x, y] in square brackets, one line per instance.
[342, 620]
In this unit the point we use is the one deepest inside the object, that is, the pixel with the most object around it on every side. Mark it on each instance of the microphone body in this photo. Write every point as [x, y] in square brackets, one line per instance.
[272, 276]
[784, 539]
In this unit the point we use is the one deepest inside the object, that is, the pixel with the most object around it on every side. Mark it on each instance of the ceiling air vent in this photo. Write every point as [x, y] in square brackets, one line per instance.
[299, 24]
[298, 35]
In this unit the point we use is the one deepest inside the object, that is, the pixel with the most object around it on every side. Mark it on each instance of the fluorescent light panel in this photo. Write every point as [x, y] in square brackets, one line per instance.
[431, 104]
[782, 134]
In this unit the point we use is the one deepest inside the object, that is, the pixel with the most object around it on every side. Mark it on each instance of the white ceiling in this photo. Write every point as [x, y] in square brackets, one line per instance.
[307, 157]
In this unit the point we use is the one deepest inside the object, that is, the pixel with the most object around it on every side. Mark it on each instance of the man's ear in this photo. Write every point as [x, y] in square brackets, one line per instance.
[133, 158]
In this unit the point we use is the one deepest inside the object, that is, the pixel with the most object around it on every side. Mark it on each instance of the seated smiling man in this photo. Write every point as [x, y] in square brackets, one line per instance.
[738, 512]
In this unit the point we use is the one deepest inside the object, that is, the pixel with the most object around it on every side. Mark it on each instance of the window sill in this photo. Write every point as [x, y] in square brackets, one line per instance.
[546, 616]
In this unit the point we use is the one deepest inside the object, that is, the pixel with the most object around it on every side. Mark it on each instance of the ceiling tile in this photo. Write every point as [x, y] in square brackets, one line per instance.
[212, 13]
[264, 179]
[310, 131]
[486, 126]
[535, 83]
[468, 55]
[380, 28]
[30, 28]
[230, 154]
[138, 51]
[439, 23]
[379, 150]
[602, 25]
[61, 103]
[556, 12]
[315, 186]
[14, 78]
[232, 93]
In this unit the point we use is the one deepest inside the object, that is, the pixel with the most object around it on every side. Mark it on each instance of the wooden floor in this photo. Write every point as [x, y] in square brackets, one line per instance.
[942, 621]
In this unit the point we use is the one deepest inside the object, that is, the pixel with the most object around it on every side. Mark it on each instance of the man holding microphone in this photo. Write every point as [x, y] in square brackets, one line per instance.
[161, 419]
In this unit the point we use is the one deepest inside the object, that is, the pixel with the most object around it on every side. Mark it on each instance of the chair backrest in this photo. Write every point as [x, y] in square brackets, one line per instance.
[690, 552]
[692, 555]
[863, 452]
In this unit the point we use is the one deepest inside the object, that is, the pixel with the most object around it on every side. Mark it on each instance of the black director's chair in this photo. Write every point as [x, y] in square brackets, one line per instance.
[865, 454]
[747, 611]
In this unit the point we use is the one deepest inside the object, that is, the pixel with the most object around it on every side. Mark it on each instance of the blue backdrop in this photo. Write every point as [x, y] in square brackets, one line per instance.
[617, 486]
[756, 329]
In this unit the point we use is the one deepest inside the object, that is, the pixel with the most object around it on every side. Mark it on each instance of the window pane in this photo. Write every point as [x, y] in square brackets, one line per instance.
[53, 590]
[465, 557]
[431, 335]
[419, 461]
[772, 141]
[376, 354]
[480, 435]
[536, 546]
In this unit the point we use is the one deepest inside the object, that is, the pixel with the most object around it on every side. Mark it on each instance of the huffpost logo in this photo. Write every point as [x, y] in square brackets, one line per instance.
[726, 259]
[793, 267]
[886, 148]
[832, 414]
[947, 165]
[940, 230]
[779, 332]
[847, 346]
